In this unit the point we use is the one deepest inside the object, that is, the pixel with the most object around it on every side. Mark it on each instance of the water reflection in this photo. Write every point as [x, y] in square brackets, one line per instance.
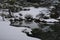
[44, 27]
[17, 24]
[44, 31]
[28, 22]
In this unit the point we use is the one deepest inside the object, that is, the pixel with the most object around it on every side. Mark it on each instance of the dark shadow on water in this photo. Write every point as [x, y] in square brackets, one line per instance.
[46, 32]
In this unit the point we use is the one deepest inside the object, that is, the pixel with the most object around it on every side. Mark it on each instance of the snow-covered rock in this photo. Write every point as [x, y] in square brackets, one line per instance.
[58, 18]
[51, 7]
[27, 30]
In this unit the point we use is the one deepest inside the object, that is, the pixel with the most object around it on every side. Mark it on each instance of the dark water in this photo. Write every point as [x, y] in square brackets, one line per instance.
[44, 31]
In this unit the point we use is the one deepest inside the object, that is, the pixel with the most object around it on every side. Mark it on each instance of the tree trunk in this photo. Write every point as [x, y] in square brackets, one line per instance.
[10, 13]
[3, 18]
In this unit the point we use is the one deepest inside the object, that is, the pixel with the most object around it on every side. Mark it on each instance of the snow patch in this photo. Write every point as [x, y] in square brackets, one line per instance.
[51, 20]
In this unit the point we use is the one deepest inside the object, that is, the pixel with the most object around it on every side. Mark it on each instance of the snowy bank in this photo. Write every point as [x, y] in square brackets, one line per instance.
[8, 32]
[51, 20]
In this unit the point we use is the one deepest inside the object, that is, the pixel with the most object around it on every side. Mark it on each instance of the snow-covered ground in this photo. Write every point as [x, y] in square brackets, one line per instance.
[51, 20]
[34, 11]
[8, 32]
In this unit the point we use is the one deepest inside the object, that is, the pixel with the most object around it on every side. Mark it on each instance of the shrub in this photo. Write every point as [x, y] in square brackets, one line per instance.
[54, 15]
[28, 17]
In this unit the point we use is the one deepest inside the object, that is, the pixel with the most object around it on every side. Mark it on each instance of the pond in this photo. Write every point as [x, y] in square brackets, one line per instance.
[44, 31]
[40, 30]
